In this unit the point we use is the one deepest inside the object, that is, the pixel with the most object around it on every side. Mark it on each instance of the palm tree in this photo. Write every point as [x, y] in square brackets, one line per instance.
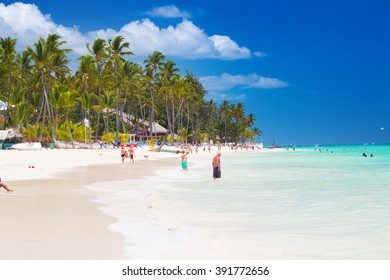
[197, 102]
[168, 76]
[45, 53]
[107, 101]
[99, 52]
[224, 113]
[68, 101]
[40, 58]
[8, 54]
[84, 77]
[153, 63]
[117, 51]
[24, 73]
[87, 102]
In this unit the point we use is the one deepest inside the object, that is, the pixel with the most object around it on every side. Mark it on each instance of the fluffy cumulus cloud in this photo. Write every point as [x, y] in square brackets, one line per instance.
[218, 87]
[268, 83]
[185, 40]
[170, 11]
[226, 82]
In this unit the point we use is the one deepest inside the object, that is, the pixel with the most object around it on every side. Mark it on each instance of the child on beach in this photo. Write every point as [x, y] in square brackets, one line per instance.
[2, 185]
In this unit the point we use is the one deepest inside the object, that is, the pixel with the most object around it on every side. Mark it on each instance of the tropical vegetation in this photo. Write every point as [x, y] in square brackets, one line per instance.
[109, 96]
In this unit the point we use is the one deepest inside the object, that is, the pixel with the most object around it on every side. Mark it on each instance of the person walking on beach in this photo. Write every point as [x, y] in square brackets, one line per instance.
[123, 154]
[131, 155]
[217, 166]
[2, 185]
[184, 163]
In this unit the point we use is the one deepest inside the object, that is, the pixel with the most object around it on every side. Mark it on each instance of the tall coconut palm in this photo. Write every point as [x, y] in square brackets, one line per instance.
[84, 73]
[43, 56]
[116, 50]
[169, 72]
[239, 122]
[84, 80]
[153, 63]
[129, 85]
[40, 57]
[99, 52]
[107, 101]
[24, 73]
[197, 93]
[224, 114]
[68, 102]
[86, 100]
[7, 56]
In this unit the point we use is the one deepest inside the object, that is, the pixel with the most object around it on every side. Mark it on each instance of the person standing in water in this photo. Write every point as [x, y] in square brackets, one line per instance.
[217, 166]
[184, 163]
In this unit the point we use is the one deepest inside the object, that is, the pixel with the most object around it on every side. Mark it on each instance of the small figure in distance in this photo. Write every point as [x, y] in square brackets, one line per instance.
[2, 185]
[364, 155]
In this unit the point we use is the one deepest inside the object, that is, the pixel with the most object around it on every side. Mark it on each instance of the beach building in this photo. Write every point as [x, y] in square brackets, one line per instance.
[143, 128]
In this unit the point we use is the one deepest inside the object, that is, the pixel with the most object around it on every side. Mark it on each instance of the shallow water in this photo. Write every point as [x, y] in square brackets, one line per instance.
[325, 202]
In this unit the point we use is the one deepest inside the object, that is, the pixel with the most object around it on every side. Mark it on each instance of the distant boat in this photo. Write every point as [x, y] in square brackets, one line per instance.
[273, 145]
[27, 146]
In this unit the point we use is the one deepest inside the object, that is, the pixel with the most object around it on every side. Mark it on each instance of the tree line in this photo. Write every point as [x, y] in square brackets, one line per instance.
[109, 97]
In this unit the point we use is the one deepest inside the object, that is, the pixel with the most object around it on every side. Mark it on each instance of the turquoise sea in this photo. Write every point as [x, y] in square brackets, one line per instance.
[325, 202]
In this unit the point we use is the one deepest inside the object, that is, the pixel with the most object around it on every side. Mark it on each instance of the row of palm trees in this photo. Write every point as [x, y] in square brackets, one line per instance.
[49, 102]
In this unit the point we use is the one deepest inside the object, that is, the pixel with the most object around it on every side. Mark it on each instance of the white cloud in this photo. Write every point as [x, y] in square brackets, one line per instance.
[259, 54]
[170, 11]
[217, 96]
[185, 40]
[226, 86]
[227, 81]
[269, 83]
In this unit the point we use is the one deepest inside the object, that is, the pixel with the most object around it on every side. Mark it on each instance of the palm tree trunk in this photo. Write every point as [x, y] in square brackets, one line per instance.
[47, 108]
[69, 130]
[9, 95]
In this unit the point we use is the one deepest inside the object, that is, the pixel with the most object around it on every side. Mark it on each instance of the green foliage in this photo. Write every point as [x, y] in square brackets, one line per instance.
[113, 94]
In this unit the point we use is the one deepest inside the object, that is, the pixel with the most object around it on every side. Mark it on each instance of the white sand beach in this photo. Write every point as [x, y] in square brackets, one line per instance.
[51, 215]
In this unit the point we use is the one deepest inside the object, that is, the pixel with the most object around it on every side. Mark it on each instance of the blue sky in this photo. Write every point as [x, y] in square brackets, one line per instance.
[312, 72]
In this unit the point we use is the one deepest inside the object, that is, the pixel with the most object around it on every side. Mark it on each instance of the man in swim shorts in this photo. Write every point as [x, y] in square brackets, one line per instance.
[131, 155]
[217, 166]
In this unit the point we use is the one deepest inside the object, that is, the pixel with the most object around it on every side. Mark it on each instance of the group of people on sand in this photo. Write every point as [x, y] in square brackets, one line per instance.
[2, 185]
[130, 153]
[216, 163]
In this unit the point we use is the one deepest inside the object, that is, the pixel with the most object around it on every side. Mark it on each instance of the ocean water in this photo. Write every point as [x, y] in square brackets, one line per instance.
[325, 202]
